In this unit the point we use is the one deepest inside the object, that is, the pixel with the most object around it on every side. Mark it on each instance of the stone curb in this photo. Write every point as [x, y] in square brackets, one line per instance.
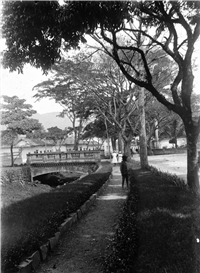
[33, 261]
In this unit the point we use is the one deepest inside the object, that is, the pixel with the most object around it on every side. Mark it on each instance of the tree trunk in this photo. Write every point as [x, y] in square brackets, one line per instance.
[113, 140]
[75, 133]
[127, 147]
[11, 154]
[75, 141]
[108, 140]
[119, 142]
[157, 144]
[175, 133]
[109, 150]
[192, 161]
[143, 142]
[87, 147]
[149, 142]
[76, 146]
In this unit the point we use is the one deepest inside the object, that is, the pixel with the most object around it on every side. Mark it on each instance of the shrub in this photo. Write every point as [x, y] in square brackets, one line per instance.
[159, 229]
[29, 223]
[171, 178]
[124, 245]
[20, 174]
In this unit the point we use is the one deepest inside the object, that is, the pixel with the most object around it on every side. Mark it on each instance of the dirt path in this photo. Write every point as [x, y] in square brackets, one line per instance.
[83, 248]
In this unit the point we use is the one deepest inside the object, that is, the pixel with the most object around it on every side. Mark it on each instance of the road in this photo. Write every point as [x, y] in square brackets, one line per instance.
[173, 163]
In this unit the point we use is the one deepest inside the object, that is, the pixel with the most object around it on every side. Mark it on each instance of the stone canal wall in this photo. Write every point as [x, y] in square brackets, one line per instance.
[25, 174]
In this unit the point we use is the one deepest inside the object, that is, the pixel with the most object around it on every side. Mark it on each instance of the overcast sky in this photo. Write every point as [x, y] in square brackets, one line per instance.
[14, 84]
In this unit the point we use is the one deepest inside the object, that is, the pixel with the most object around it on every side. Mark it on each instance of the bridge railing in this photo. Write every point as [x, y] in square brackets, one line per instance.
[72, 156]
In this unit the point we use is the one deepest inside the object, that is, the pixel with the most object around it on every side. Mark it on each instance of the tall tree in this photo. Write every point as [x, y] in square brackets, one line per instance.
[57, 135]
[34, 32]
[158, 119]
[16, 117]
[92, 86]
[114, 100]
[162, 21]
[97, 130]
[67, 89]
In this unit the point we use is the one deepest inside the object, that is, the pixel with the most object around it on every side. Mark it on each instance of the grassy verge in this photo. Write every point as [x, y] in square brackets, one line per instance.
[160, 227]
[29, 223]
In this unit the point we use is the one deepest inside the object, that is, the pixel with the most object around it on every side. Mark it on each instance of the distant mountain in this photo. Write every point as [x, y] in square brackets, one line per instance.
[49, 120]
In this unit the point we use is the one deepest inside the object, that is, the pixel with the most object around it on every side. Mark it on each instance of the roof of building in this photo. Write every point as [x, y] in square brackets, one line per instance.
[33, 142]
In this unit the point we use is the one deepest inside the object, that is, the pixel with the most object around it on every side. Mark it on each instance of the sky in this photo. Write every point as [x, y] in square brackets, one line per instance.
[21, 85]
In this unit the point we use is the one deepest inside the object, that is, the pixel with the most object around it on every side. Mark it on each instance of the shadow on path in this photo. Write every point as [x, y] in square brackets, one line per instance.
[82, 249]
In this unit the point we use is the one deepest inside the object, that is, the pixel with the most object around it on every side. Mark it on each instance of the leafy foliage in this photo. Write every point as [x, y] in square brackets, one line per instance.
[57, 135]
[124, 246]
[149, 237]
[158, 117]
[49, 25]
[31, 229]
[68, 88]
[16, 117]
[95, 129]
[126, 31]
[41, 20]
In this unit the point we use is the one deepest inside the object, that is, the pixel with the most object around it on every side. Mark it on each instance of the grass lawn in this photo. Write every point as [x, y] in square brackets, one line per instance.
[159, 230]
[27, 224]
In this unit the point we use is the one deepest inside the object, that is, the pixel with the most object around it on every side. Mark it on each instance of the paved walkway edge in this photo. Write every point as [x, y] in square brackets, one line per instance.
[33, 261]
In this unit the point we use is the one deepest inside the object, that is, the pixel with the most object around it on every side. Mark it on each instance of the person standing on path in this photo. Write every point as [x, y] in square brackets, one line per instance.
[124, 170]
[114, 158]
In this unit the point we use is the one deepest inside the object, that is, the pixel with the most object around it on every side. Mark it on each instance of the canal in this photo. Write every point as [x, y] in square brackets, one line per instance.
[57, 179]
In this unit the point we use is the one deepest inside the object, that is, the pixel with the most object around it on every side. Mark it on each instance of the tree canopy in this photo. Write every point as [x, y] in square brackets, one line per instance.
[16, 117]
[38, 32]
[57, 135]
[69, 89]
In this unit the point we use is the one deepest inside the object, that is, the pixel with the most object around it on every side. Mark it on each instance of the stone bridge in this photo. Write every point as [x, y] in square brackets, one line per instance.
[76, 161]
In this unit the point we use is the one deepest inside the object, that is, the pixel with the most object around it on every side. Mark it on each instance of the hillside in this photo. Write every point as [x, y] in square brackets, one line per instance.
[51, 120]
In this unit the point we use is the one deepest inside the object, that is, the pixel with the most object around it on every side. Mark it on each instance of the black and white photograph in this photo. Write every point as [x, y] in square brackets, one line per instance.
[100, 136]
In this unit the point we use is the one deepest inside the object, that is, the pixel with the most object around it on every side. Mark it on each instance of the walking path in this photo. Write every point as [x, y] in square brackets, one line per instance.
[82, 249]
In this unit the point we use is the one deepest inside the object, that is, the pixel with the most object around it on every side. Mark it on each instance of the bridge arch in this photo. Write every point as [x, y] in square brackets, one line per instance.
[45, 168]
[76, 161]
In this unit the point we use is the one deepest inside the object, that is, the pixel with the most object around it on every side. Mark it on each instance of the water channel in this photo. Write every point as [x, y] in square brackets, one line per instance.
[57, 179]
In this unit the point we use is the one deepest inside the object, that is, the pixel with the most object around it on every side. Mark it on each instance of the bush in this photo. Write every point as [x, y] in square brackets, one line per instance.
[124, 245]
[159, 229]
[19, 174]
[27, 224]
[171, 178]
